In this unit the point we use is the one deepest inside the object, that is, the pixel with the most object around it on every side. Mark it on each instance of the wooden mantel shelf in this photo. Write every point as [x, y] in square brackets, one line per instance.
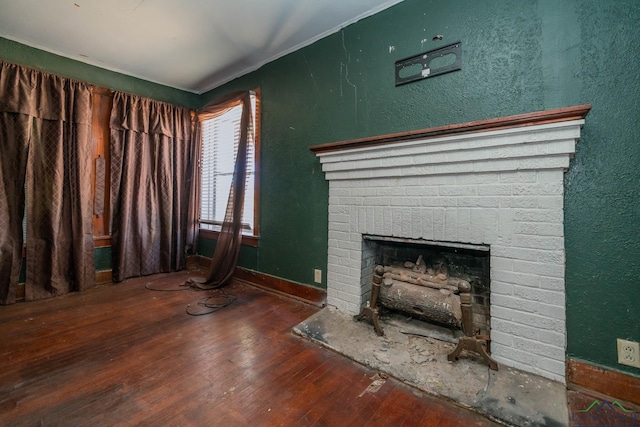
[529, 119]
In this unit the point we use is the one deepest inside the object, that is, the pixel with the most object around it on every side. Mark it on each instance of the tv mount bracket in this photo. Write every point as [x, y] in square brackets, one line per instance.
[419, 65]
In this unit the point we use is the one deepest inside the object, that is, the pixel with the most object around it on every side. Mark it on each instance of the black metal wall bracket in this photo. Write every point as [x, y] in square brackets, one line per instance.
[418, 67]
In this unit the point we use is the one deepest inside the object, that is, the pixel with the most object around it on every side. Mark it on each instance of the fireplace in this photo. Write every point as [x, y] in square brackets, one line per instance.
[494, 186]
[444, 265]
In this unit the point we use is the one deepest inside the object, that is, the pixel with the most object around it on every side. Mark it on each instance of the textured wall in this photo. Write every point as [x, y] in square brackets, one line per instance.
[518, 56]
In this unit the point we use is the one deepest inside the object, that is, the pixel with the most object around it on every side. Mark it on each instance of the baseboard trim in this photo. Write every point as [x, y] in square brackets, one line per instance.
[307, 294]
[584, 377]
[104, 276]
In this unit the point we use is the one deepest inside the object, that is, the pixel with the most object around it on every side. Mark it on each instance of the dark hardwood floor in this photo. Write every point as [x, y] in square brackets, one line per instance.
[125, 355]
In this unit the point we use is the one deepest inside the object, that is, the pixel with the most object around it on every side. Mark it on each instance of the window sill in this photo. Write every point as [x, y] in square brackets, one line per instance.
[246, 240]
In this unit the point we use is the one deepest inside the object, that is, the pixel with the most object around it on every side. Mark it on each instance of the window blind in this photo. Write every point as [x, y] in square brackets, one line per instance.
[220, 139]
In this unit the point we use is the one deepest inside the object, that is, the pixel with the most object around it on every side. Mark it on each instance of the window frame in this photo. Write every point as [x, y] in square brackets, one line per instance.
[247, 239]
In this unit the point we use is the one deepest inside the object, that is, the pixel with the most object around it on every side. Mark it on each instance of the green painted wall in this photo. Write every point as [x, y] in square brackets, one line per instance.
[518, 56]
[26, 55]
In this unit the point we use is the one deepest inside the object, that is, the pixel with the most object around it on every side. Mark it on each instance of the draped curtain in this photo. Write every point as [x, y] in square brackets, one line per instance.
[45, 146]
[151, 170]
[225, 256]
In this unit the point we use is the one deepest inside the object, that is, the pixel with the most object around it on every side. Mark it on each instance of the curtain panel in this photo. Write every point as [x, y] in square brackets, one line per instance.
[45, 146]
[151, 171]
[227, 251]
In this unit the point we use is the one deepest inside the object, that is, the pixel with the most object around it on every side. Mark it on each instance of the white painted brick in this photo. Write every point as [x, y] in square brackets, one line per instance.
[362, 220]
[526, 189]
[540, 365]
[417, 170]
[340, 253]
[438, 224]
[536, 347]
[539, 295]
[501, 264]
[552, 284]
[515, 253]
[464, 224]
[338, 218]
[354, 224]
[527, 319]
[548, 162]
[539, 215]
[513, 177]
[438, 201]
[378, 218]
[418, 191]
[540, 229]
[501, 288]
[457, 190]
[478, 202]
[351, 201]
[556, 312]
[370, 220]
[396, 218]
[495, 165]
[339, 269]
[501, 338]
[552, 188]
[510, 302]
[389, 191]
[454, 168]
[514, 329]
[550, 202]
[549, 270]
[519, 202]
[349, 245]
[438, 180]
[362, 192]
[408, 181]
[494, 190]
[339, 235]
[405, 223]
[450, 225]
[522, 279]
[388, 222]
[478, 178]
[339, 192]
[538, 242]
[553, 338]
[550, 176]
[405, 201]
[339, 226]
[416, 222]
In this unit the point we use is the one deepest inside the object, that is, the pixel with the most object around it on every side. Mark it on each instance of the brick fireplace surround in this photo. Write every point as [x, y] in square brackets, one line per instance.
[497, 183]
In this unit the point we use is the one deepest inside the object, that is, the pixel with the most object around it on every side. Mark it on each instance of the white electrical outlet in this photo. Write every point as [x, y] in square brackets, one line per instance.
[629, 353]
[317, 276]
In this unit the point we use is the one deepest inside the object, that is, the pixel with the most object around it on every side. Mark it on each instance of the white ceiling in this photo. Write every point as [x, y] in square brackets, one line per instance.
[194, 45]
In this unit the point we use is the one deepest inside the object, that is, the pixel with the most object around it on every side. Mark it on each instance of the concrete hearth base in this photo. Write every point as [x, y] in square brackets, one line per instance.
[507, 395]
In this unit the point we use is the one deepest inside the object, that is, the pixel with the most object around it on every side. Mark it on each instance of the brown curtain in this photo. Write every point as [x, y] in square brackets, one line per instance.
[151, 150]
[225, 256]
[45, 124]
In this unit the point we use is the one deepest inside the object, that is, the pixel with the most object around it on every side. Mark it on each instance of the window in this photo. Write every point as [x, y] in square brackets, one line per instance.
[220, 138]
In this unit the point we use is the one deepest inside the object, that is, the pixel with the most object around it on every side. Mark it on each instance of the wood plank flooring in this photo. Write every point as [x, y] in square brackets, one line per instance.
[121, 355]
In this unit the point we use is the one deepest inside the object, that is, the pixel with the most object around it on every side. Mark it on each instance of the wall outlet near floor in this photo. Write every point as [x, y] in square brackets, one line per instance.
[629, 353]
[317, 276]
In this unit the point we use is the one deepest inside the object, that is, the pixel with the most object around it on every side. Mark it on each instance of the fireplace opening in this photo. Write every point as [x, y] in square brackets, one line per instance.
[421, 279]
